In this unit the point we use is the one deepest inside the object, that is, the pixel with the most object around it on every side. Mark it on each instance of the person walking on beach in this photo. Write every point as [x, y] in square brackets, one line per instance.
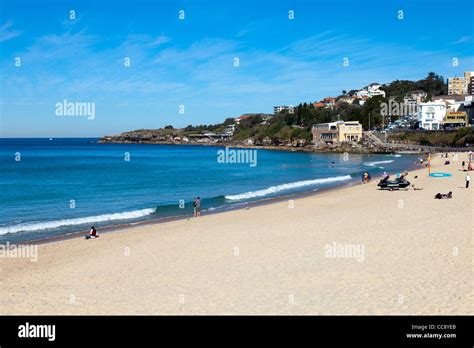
[197, 207]
[468, 179]
[463, 164]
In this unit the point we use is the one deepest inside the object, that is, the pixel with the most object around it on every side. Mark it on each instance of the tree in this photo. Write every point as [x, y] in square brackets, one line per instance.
[432, 83]
[250, 122]
[229, 121]
[371, 112]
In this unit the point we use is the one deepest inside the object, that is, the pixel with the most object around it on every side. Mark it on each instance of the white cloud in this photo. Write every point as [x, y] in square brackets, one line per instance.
[160, 40]
[464, 39]
[6, 33]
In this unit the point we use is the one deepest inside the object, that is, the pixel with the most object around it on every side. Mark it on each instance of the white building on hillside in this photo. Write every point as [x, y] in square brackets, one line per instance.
[363, 93]
[451, 104]
[431, 115]
[374, 90]
[415, 97]
[279, 108]
[370, 91]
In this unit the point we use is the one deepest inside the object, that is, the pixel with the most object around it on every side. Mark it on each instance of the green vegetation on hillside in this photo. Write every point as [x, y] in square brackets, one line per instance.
[297, 124]
[433, 85]
[434, 138]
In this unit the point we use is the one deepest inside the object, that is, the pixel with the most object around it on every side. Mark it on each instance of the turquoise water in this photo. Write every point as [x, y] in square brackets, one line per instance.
[61, 186]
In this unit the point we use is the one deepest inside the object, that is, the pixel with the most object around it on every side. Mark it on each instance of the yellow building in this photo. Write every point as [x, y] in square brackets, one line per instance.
[350, 131]
[457, 86]
[339, 131]
[460, 85]
[456, 119]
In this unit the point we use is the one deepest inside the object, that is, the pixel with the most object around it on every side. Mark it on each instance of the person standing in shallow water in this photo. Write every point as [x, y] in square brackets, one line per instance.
[197, 207]
[365, 177]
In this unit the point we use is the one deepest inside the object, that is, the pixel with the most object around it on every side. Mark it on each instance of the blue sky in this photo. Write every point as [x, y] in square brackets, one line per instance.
[190, 62]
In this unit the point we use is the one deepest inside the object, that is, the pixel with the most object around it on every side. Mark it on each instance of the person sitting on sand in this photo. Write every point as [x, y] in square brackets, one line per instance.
[92, 233]
[447, 162]
[469, 166]
[197, 207]
[448, 195]
[402, 176]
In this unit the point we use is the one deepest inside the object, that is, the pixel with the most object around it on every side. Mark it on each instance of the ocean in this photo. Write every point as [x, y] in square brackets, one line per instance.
[53, 187]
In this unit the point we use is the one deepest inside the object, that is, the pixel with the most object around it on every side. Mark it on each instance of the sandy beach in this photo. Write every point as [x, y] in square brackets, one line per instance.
[355, 250]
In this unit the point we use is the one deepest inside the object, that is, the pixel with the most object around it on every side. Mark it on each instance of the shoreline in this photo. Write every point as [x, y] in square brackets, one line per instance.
[394, 148]
[219, 210]
[307, 148]
[251, 261]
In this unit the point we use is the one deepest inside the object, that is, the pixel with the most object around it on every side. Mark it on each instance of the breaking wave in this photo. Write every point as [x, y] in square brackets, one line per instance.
[374, 163]
[34, 226]
[283, 187]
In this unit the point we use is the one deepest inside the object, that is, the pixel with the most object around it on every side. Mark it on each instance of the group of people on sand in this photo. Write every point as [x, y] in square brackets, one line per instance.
[464, 168]
[468, 168]
[467, 177]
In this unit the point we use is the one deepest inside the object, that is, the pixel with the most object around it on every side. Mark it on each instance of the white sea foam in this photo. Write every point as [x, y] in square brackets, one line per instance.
[283, 187]
[34, 226]
[373, 164]
[394, 155]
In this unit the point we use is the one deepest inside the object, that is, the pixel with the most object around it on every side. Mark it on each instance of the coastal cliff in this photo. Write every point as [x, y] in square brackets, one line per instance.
[369, 144]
